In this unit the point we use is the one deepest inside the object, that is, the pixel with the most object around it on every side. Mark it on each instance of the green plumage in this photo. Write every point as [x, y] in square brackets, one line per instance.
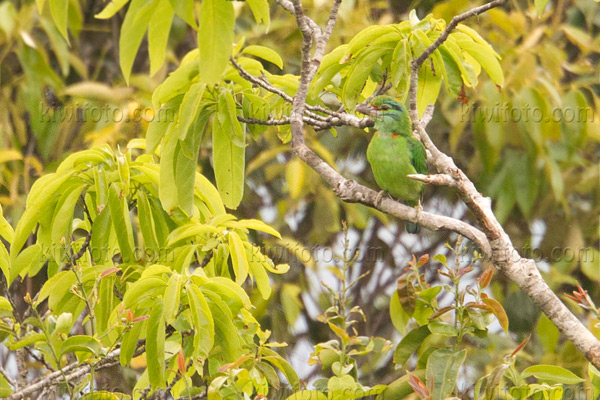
[394, 153]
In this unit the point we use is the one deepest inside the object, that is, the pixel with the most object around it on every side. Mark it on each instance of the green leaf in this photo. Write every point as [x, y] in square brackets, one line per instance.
[260, 10]
[189, 108]
[158, 34]
[228, 152]
[142, 288]
[410, 344]
[190, 230]
[551, 374]
[540, 6]
[6, 231]
[185, 10]
[129, 343]
[171, 298]
[215, 38]
[60, 14]
[38, 201]
[400, 388]
[104, 395]
[238, 258]
[111, 9]
[119, 213]
[226, 334]
[442, 328]
[307, 395]
[155, 346]
[359, 73]
[167, 189]
[81, 343]
[259, 273]
[132, 32]
[341, 388]
[264, 53]
[176, 84]
[429, 81]
[202, 322]
[146, 222]
[398, 316]
[5, 308]
[63, 215]
[442, 368]
[486, 58]
[281, 364]
[29, 261]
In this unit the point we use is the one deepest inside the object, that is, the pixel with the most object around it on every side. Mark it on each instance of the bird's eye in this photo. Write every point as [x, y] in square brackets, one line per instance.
[384, 107]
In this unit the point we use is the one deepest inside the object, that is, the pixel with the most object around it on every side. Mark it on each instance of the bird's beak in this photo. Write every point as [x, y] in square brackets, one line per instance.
[366, 109]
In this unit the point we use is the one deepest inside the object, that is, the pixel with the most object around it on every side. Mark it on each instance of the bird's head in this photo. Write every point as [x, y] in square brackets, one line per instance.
[389, 115]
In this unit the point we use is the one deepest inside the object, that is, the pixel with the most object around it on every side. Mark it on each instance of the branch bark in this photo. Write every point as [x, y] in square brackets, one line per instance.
[504, 256]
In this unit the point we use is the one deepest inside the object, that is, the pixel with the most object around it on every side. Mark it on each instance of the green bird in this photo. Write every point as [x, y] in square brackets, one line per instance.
[394, 153]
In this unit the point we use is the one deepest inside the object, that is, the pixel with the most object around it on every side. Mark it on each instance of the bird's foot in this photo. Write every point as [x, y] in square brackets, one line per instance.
[379, 197]
[413, 227]
[419, 209]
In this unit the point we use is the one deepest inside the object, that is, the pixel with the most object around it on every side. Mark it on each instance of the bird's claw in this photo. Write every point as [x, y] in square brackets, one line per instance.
[379, 197]
[419, 209]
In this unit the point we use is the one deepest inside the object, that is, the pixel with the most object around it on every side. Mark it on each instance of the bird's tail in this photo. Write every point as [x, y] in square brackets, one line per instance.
[411, 227]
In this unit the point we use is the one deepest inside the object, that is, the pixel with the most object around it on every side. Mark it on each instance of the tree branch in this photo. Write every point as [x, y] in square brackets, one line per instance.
[504, 256]
[70, 372]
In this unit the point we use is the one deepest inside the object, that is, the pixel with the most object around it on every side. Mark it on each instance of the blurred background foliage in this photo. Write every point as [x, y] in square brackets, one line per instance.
[532, 146]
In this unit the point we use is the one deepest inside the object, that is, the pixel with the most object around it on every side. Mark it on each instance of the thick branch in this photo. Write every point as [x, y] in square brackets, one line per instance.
[70, 372]
[504, 256]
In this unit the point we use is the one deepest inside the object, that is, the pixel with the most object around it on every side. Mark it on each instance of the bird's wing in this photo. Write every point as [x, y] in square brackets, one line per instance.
[418, 156]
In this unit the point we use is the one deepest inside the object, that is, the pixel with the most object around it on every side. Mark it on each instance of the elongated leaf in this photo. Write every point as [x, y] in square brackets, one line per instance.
[132, 32]
[189, 231]
[552, 374]
[442, 368]
[185, 10]
[226, 335]
[142, 288]
[215, 38]
[158, 34]
[202, 321]
[63, 215]
[238, 258]
[28, 261]
[264, 53]
[39, 199]
[487, 59]
[228, 153]
[171, 298]
[260, 10]
[498, 311]
[410, 344]
[6, 231]
[60, 14]
[111, 9]
[167, 189]
[129, 343]
[155, 346]
[119, 212]
[260, 275]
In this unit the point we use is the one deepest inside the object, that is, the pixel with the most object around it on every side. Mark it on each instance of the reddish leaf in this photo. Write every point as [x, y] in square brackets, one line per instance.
[498, 311]
[181, 362]
[520, 346]
[486, 277]
[418, 386]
